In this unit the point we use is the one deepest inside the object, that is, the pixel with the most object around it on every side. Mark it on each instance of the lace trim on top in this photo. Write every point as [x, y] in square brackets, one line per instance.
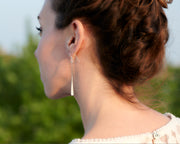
[149, 136]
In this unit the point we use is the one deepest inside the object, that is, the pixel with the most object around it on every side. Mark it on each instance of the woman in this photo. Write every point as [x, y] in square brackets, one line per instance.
[97, 51]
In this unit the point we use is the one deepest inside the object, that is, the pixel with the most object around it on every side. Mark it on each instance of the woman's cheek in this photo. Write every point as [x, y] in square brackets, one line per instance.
[38, 52]
[40, 55]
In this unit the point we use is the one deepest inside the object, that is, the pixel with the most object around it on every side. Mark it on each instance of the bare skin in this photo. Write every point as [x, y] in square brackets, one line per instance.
[104, 113]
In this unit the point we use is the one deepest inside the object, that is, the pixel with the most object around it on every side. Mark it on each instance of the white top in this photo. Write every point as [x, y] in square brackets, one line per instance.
[168, 134]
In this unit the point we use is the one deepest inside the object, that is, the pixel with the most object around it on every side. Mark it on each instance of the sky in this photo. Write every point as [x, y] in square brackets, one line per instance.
[14, 14]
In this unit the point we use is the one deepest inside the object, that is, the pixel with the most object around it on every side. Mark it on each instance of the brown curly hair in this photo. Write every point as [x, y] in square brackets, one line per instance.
[130, 36]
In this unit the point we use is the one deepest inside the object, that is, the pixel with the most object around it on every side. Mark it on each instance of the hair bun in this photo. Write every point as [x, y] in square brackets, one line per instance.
[164, 3]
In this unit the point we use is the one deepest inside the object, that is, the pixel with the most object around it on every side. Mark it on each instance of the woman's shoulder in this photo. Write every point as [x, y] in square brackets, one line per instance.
[169, 133]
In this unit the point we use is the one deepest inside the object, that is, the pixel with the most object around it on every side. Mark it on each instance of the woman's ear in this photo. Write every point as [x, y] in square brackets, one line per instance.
[75, 38]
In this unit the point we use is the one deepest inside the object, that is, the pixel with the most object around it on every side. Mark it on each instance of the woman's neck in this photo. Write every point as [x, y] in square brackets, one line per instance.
[97, 101]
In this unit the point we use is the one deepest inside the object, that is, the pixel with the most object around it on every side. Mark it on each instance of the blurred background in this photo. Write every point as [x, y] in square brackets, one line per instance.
[27, 115]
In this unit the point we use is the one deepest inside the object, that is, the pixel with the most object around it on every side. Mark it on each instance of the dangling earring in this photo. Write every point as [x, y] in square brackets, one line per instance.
[72, 87]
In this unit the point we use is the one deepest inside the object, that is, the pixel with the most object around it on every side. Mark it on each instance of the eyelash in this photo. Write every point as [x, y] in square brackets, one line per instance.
[39, 29]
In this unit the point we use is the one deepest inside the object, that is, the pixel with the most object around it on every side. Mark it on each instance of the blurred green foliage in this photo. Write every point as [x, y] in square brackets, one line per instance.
[27, 115]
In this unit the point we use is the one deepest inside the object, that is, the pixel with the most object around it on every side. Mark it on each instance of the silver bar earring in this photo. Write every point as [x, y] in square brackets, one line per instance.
[72, 87]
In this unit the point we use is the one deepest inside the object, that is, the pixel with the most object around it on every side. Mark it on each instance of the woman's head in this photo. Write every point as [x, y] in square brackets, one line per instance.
[54, 51]
[130, 36]
[51, 53]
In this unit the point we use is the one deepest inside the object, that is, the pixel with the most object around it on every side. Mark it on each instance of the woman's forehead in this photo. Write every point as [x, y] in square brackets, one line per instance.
[46, 11]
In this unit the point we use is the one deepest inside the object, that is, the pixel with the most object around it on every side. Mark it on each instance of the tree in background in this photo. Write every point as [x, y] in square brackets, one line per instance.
[174, 95]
